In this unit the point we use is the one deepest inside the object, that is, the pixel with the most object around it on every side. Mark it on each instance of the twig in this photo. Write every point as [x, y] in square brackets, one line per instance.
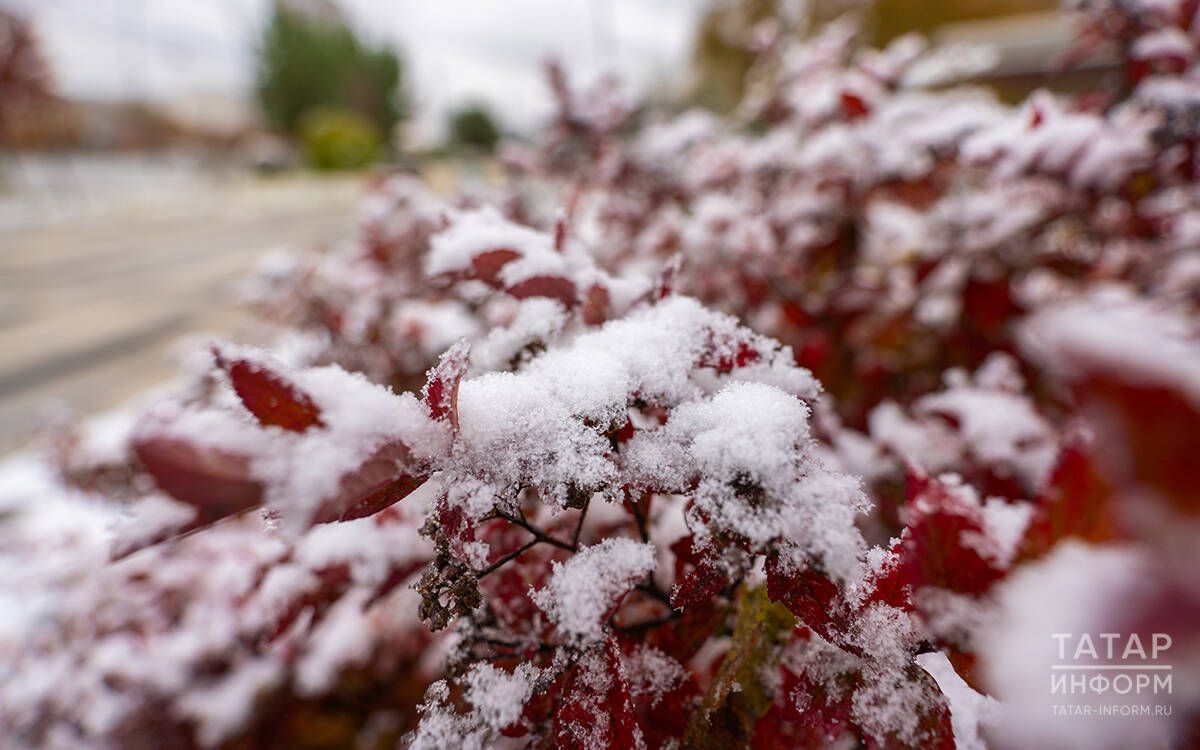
[579, 526]
[640, 519]
[506, 558]
[538, 534]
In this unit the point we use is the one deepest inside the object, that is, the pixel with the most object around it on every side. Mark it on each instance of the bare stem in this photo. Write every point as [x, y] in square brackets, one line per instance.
[506, 558]
[579, 526]
[640, 518]
[538, 534]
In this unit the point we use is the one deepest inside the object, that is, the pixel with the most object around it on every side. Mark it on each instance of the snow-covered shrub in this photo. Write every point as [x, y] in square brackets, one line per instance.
[806, 429]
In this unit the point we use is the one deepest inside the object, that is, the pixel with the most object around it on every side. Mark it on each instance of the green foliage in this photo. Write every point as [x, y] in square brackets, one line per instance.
[738, 695]
[338, 139]
[473, 127]
[307, 64]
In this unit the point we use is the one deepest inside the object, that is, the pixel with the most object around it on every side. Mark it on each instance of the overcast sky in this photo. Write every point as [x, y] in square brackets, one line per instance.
[456, 50]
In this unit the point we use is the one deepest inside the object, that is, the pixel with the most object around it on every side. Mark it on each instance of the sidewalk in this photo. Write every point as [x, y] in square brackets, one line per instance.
[90, 307]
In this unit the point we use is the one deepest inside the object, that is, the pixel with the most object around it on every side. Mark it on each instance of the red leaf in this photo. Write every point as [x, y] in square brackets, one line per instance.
[595, 306]
[804, 714]
[663, 717]
[854, 106]
[940, 541]
[809, 595]
[624, 434]
[385, 478]
[990, 305]
[725, 355]
[698, 575]
[1074, 503]
[554, 287]
[441, 387]
[1148, 430]
[269, 396]
[508, 589]
[217, 483]
[597, 708]
[486, 266]
[889, 585]
[537, 710]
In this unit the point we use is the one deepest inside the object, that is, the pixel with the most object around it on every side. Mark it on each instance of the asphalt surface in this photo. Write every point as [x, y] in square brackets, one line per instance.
[92, 306]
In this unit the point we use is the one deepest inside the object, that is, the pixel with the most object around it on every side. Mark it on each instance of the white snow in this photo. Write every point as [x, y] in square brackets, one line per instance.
[748, 454]
[1077, 590]
[474, 232]
[544, 425]
[497, 696]
[1112, 331]
[968, 708]
[583, 589]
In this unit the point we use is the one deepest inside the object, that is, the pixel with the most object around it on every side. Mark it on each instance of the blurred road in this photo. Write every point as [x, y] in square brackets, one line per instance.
[90, 306]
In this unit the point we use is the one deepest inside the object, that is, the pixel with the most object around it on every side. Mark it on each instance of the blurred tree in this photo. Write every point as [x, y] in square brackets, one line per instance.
[473, 127]
[24, 75]
[309, 61]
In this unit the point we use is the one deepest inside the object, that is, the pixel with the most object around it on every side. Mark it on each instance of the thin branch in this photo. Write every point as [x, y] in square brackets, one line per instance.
[579, 526]
[515, 645]
[506, 558]
[538, 534]
[640, 519]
